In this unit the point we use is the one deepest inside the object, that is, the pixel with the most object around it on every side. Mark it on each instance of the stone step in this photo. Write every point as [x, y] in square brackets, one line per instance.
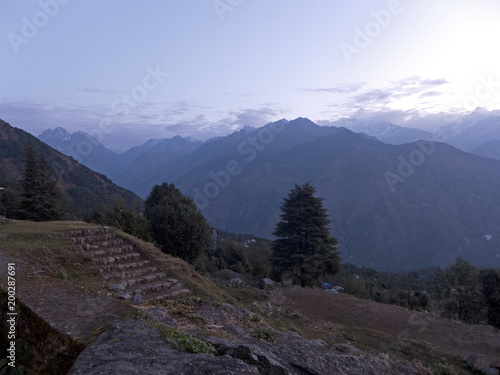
[100, 244]
[93, 238]
[177, 293]
[176, 290]
[115, 259]
[102, 252]
[147, 287]
[129, 274]
[157, 284]
[122, 266]
[87, 232]
[165, 283]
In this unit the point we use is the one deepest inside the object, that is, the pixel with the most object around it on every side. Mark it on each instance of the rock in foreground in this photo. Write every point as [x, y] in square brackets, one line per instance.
[133, 347]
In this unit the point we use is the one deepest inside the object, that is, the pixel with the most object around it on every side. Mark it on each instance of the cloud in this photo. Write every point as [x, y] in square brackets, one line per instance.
[254, 117]
[373, 96]
[435, 82]
[97, 91]
[431, 93]
[346, 88]
[398, 93]
[199, 127]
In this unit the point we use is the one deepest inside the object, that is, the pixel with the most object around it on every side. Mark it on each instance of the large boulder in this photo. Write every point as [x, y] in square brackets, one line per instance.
[266, 283]
[132, 347]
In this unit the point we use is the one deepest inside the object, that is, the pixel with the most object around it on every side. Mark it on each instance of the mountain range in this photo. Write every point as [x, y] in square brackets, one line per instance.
[392, 207]
[82, 188]
[396, 202]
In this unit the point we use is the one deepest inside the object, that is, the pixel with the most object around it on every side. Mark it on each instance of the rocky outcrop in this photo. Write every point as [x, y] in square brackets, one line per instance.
[132, 347]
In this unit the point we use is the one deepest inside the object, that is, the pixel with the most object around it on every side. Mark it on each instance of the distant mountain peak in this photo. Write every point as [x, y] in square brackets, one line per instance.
[301, 121]
[246, 129]
[152, 142]
[179, 138]
[56, 133]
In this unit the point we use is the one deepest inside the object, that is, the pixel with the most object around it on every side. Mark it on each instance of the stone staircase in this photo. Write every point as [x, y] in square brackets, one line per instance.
[129, 274]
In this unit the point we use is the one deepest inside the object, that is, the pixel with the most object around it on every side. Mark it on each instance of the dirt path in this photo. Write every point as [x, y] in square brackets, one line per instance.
[394, 321]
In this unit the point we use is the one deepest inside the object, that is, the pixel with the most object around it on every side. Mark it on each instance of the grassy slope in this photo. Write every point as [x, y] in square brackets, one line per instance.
[42, 246]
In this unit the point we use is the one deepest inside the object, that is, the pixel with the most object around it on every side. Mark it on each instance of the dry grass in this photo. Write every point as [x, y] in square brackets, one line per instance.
[47, 251]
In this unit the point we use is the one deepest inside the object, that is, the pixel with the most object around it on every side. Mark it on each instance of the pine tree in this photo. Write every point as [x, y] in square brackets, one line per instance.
[49, 207]
[304, 249]
[41, 199]
[29, 184]
[175, 222]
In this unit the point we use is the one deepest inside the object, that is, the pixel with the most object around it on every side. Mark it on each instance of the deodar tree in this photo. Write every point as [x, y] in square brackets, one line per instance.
[304, 249]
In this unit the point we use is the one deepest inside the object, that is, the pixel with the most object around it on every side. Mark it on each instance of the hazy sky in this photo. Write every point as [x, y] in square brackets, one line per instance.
[129, 70]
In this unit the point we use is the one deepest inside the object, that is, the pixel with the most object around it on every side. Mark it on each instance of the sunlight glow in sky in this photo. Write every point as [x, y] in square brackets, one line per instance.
[154, 69]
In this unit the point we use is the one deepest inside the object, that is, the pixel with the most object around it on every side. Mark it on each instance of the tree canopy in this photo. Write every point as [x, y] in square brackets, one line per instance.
[175, 222]
[304, 249]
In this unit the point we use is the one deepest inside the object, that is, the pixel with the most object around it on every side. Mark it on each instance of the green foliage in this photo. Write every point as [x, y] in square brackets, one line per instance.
[408, 290]
[240, 253]
[186, 343]
[459, 289]
[122, 216]
[263, 334]
[304, 249]
[175, 222]
[41, 199]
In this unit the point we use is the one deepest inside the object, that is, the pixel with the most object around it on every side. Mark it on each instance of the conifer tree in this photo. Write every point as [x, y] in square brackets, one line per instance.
[304, 249]
[50, 207]
[175, 222]
[459, 288]
[29, 183]
[41, 199]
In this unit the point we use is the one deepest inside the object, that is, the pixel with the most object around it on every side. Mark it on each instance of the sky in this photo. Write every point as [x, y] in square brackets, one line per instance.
[126, 71]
